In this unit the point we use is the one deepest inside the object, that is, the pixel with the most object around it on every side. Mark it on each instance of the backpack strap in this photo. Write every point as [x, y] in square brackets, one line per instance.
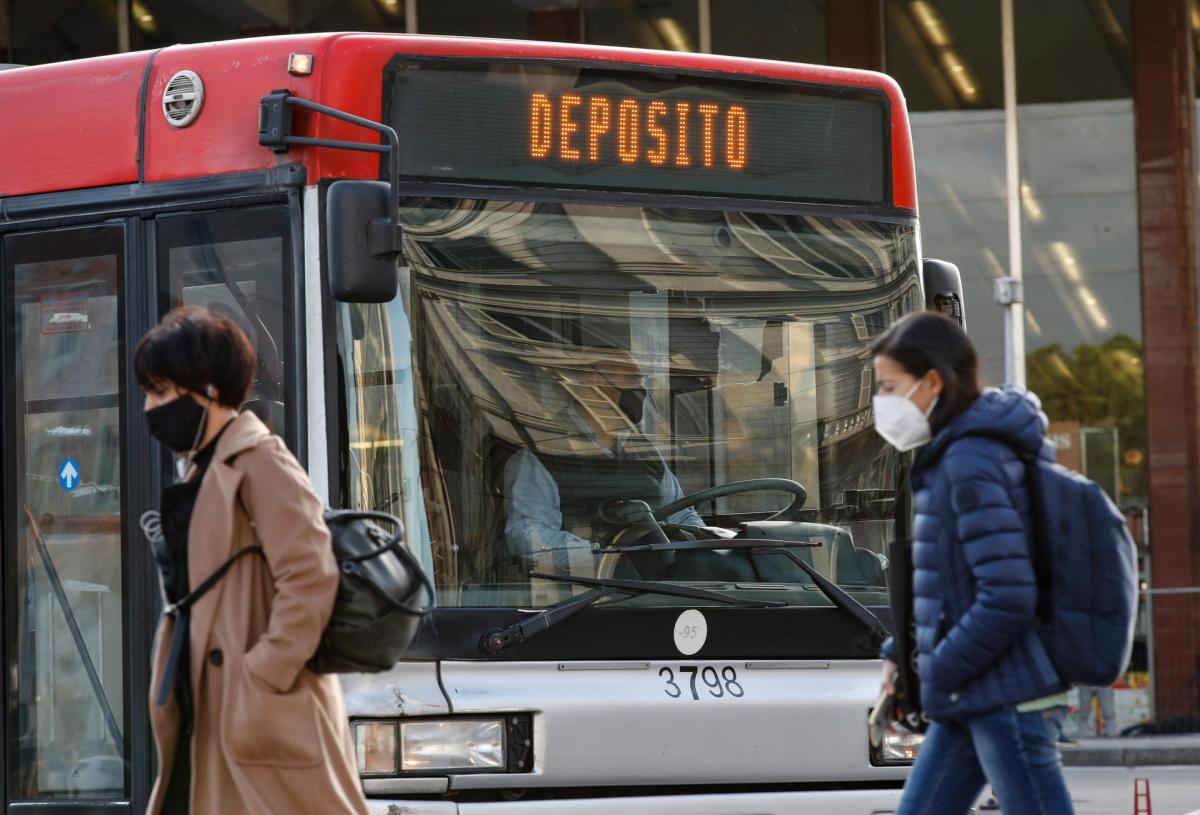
[395, 545]
[206, 585]
[179, 610]
[1043, 552]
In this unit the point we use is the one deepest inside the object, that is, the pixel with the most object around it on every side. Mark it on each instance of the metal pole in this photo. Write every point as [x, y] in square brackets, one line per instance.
[410, 16]
[1144, 544]
[123, 18]
[704, 11]
[85, 657]
[1014, 314]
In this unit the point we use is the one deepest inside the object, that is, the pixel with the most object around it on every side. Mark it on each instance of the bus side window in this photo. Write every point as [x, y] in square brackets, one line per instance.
[237, 263]
[379, 465]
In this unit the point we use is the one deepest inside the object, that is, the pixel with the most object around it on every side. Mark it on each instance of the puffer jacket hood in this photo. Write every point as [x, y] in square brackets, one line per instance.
[974, 588]
[1010, 414]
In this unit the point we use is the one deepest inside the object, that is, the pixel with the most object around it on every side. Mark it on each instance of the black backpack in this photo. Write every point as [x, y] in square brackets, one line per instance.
[378, 605]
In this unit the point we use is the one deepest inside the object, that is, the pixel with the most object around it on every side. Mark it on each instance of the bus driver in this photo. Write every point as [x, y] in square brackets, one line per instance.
[551, 499]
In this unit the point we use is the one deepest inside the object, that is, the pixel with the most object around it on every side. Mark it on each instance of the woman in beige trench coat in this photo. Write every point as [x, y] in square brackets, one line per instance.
[268, 735]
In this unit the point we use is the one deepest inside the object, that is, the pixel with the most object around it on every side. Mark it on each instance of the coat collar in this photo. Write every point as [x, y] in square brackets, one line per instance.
[211, 532]
[244, 431]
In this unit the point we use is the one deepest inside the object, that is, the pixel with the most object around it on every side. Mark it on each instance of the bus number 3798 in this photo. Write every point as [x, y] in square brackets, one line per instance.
[710, 680]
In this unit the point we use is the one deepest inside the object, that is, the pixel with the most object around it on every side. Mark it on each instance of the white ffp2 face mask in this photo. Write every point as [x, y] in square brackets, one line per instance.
[900, 422]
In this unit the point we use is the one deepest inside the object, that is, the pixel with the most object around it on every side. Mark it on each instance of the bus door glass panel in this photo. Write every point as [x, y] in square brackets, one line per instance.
[63, 520]
[236, 263]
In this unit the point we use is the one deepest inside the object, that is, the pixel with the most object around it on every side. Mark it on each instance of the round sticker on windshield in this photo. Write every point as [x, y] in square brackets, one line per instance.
[691, 630]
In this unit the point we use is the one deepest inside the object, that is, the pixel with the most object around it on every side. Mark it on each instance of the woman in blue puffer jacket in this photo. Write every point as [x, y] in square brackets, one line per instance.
[986, 681]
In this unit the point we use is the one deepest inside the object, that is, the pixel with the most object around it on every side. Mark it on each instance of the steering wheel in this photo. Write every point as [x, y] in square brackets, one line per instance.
[629, 514]
[624, 513]
[800, 495]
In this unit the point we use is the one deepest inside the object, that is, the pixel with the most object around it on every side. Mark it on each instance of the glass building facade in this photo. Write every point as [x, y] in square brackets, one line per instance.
[1092, 81]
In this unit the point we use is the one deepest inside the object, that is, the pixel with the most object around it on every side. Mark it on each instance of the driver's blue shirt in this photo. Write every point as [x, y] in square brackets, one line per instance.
[531, 502]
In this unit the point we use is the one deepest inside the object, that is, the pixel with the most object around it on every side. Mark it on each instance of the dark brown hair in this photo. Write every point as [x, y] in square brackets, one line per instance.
[194, 348]
[929, 340]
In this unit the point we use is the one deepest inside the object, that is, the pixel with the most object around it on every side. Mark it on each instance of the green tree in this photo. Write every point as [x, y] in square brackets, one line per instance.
[1098, 386]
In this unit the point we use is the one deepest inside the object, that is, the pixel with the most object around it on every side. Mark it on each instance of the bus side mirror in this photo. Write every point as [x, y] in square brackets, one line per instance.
[362, 241]
[943, 289]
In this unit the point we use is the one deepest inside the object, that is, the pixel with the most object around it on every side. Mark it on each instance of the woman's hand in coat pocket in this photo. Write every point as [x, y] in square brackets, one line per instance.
[264, 726]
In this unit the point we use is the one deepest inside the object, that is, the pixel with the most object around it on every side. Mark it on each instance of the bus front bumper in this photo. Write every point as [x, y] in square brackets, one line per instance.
[831, 802]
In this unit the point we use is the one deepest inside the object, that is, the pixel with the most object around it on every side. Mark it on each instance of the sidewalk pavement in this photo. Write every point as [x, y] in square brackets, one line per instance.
[1133, 751]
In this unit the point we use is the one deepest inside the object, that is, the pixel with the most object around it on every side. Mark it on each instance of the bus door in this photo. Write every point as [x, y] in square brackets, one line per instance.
[80, 589]
[66, 469]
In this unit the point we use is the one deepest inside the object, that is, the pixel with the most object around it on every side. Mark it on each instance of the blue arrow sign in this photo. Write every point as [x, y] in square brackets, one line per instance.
[68, 474]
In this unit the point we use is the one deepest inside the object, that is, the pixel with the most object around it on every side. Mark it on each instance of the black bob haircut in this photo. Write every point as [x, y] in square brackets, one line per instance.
[193, 348]
[929, 340]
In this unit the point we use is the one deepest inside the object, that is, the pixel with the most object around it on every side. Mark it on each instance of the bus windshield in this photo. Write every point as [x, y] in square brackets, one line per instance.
[545, 360]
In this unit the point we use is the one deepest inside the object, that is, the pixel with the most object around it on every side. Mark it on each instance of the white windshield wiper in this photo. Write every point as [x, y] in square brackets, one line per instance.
[497, 640]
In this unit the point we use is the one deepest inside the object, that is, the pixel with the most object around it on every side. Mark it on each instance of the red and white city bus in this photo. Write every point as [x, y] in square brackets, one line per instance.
[456, 259]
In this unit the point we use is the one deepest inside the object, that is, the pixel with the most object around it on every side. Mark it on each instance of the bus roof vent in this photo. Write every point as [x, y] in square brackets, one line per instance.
[183, 99]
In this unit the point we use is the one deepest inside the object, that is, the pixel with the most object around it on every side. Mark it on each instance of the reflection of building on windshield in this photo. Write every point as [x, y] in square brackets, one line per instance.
[535, 323]
[553, 499]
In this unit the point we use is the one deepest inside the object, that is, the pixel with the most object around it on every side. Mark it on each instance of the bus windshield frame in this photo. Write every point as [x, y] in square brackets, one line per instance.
[412, 425]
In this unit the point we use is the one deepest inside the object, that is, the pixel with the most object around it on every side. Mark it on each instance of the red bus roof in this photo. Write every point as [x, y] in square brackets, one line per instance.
[74, 125]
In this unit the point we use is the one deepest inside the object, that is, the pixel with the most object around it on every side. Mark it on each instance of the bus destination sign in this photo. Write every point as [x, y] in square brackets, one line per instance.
[546, 125]
[596, 128]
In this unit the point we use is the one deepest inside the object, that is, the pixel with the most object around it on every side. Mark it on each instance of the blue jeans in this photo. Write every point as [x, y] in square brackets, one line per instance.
[1013, 751]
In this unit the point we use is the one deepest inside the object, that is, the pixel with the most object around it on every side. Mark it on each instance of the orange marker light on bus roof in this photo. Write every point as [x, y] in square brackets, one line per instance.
[300, 64]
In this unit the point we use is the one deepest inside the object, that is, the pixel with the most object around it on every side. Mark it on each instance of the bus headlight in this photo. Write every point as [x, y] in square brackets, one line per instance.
[418, 747]
[898, 746]
[452, 744]
[375, 747]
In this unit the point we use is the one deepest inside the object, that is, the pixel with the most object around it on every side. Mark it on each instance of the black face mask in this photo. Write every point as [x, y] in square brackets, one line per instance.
[632, 403]
[177, 423]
